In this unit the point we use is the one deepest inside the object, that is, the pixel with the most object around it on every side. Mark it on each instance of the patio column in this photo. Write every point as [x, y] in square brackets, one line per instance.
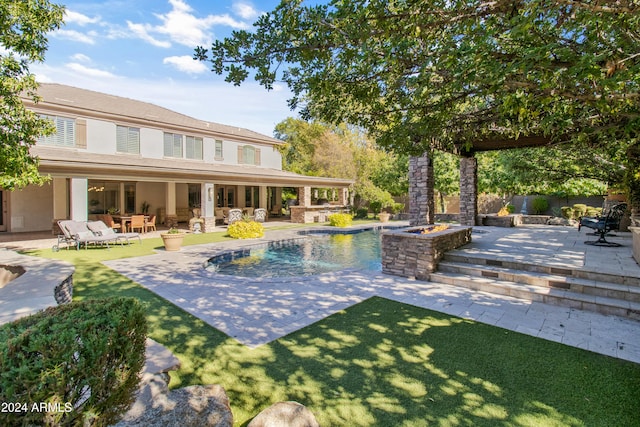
[468, 190]
[262, 196]
[304, 196]
[343, 196]
[60, 198]
[79, 196]
[208, 198]
[421, 190]
[171, 219]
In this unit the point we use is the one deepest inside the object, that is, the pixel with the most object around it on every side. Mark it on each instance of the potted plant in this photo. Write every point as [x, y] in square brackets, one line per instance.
[384, 216]
[172, 239]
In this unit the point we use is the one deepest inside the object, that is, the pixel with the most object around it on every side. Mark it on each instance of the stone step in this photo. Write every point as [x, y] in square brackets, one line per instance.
[547, 295]
[579, 273]
[545, 280]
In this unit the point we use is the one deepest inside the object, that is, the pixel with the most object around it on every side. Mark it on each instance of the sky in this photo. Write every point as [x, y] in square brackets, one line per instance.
[143, 49]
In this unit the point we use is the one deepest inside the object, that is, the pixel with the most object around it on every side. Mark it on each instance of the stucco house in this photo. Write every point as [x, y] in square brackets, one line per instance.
[111, 153]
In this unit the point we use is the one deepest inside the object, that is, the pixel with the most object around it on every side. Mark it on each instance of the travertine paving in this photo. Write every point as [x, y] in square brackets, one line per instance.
[257, 311]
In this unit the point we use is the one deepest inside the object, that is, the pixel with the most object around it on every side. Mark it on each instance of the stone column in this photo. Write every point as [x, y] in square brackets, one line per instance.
[468, 190]
[304, 196]
[343, 196]
[421, 190]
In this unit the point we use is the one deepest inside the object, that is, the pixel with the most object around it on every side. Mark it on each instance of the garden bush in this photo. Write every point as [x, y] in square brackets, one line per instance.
[567, 212]
[362, 213]
[340, 220]
[246, 230]
[591, 211]
[375, 207]
[540, 205]
[74, 364]
[510, 208]
[579, 210]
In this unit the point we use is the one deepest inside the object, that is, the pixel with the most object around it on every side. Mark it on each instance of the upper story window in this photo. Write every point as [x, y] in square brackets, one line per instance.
[65, 135]
[193, 147]
[173, 145]
[128, 140]
[248, 155]
[218, 155]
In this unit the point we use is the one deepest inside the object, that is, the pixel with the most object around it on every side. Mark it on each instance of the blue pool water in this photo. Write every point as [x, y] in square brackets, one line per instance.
[315, 254]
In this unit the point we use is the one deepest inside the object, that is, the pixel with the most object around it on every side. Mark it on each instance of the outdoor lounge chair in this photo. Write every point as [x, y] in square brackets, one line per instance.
[78, 233]
[604, 224]
[99, 228]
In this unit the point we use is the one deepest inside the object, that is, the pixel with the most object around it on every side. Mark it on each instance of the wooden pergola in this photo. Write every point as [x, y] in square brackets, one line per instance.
[421, 178]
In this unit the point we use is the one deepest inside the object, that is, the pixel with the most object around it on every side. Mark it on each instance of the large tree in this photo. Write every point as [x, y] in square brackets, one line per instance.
[23, 29]
[424, 72]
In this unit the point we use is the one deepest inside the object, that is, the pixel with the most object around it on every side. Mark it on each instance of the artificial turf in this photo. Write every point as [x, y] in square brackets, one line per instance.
[383, 363]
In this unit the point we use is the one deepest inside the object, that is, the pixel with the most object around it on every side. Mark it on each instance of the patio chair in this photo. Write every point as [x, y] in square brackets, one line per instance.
[234, 215]
[260, 215]
[78, 233]
[276, 210]
[604, 224]
[150, 224]
[108, 219]
[99, 228]
[137, 223]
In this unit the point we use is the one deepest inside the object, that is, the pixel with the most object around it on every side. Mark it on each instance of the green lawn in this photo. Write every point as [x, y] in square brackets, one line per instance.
[382, 363]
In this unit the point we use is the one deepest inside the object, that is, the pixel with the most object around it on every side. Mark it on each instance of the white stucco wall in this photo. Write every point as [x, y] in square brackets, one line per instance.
[31, 209]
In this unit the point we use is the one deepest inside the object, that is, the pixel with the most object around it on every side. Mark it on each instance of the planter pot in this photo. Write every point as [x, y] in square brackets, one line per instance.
[172, 242]
[384, 217]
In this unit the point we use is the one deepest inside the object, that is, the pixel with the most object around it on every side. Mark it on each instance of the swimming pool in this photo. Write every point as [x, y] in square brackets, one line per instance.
[311, 255]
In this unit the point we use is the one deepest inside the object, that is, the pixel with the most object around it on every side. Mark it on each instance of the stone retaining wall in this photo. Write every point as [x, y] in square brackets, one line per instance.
[417, 255]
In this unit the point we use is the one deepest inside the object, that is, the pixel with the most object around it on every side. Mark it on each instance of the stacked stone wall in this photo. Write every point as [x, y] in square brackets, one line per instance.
[417, 255]
[421, 190]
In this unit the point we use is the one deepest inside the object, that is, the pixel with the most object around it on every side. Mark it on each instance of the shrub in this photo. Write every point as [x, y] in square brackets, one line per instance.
[592, 212]
[246, 230]
[510, 208]
[375, 207]
[340, 220]
[362, 213]
[82, 359]
[540, 205]
[567, 212]
[579, 210]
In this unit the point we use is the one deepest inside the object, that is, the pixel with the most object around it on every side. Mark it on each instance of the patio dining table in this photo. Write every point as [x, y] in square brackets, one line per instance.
[123, 219]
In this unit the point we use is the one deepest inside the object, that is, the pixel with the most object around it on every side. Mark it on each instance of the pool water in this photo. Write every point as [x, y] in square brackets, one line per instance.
[315, 254]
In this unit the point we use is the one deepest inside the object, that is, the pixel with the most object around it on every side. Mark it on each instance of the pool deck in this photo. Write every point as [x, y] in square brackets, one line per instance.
[258, 311]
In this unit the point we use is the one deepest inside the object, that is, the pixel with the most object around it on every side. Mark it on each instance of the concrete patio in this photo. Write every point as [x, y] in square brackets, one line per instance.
[257, 311]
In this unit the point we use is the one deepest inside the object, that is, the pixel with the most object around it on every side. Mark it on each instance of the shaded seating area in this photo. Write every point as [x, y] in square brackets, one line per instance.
[604, 224]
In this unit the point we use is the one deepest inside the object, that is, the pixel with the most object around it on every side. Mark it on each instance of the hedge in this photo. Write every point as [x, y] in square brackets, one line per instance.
[246, 230]
[340, 220]
[74, 364]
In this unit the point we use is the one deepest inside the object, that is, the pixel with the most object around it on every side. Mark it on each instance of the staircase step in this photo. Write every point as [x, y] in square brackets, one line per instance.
[548, 295]
[460, 257]
[555, 281]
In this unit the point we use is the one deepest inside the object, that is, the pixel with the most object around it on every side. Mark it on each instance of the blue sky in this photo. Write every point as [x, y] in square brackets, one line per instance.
[142, 49]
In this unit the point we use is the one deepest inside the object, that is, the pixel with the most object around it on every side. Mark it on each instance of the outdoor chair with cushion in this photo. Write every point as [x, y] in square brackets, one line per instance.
[150, 224]
[604, 224]
[234, 215]
[260, 215]
[78, 233]
[137, 223]
[108, 219]
[99, 228]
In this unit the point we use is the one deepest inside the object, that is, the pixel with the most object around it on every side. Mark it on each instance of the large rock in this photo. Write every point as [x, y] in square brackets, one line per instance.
[285, 414]
[194, 406]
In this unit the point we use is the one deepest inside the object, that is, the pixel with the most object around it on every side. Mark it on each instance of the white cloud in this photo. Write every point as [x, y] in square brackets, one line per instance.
[186, 64]
[90, 72]
[245, 10]
[80, 57]
[71, 17]
[142, 32]
[182, 26]
[77, 36]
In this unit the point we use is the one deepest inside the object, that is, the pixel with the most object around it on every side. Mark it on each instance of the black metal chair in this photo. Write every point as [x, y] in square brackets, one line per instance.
[604, 224]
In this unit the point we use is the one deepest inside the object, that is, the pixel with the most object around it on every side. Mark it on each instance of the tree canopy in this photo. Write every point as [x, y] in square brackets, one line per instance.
[23, 28]
[435, 73]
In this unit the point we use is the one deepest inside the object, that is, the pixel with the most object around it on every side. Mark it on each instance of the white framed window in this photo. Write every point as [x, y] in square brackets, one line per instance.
[218, 155]
[127, 140]
[173, 145]
[193, 147]
[65, 135]
[248, 155]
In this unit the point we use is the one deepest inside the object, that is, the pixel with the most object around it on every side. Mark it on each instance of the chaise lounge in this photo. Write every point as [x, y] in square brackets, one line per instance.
[78, 233]
[604, 224]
